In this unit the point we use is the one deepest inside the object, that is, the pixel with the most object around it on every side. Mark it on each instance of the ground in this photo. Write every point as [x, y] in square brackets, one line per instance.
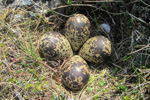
[125, 75]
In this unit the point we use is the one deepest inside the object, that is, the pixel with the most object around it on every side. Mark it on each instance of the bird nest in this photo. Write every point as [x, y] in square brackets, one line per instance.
[126, 75]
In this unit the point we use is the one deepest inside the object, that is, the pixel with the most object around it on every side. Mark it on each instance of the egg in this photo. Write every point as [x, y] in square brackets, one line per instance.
[54, 46]
[96, 49]
[75, 73]
[77, 30]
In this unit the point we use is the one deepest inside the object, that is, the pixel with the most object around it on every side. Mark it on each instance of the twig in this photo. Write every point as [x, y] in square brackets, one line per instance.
[139, 49]
[55, 71]
[90, 1]
[136, 87]
[63, 63]
[141, 20]
[86, 5]
[43, 63]
[17, 94]
[57, 77]
[12, 64]
[46, 65]
[64, 6]
[145, 3]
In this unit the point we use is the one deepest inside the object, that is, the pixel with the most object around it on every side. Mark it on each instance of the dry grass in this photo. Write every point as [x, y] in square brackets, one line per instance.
[126, 75]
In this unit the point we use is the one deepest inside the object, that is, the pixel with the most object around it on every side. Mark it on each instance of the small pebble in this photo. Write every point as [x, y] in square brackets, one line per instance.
[105, 27]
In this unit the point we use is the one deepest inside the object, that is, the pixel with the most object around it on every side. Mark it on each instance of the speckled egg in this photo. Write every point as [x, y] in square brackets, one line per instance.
[96, 49]
[75, 73]
[77, 30]
[54, 46]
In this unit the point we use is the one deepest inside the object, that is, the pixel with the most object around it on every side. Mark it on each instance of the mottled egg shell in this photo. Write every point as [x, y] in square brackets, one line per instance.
[96, 49]
[75, 73]
[54, 46]
[77, 30]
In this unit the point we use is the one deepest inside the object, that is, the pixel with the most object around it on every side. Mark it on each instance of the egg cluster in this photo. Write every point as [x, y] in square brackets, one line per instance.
[55, 46]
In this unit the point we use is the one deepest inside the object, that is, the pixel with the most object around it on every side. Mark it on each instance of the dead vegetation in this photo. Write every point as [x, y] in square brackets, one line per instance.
[126, 75]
